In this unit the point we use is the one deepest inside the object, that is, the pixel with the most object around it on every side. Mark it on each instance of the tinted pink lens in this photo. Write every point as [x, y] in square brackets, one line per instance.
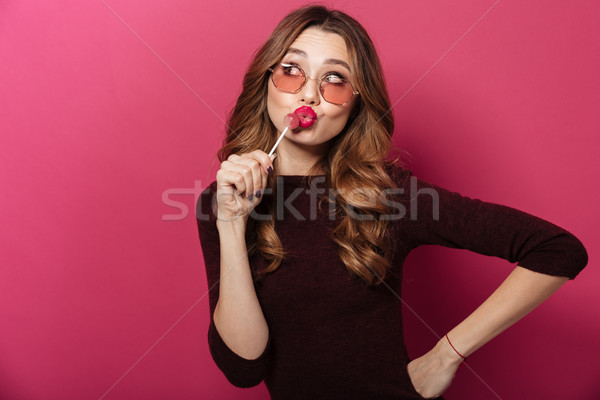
[288, 80]
[337, 93]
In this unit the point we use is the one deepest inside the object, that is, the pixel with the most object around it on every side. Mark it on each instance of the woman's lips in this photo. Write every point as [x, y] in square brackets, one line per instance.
[307, 116]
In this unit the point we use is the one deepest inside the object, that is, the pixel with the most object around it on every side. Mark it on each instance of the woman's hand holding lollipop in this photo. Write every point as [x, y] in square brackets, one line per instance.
[242, 178]
[241, 181]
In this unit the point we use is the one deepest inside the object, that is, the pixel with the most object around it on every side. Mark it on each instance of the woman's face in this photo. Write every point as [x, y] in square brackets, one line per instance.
[317, 53]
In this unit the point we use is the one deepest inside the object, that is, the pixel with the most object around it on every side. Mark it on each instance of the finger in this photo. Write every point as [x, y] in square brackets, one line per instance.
[229, 180]
[263, 180]
[265, 161]
[249, 169]
[256, 172]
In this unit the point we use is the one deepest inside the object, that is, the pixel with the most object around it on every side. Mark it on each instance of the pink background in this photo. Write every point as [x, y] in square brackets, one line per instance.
[111, 112]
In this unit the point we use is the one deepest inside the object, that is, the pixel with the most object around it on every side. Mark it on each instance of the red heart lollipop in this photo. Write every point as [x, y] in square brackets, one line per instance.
[291, 120]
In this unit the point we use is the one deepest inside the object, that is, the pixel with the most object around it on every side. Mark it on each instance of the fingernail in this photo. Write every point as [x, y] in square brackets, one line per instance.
[250, 197]
[258, 194]
[269, 170]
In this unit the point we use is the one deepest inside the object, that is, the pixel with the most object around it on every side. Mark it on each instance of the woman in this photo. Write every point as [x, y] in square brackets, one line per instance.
[304, 250]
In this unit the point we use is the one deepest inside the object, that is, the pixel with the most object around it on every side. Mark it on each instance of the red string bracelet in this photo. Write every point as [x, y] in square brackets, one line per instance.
[461, 356]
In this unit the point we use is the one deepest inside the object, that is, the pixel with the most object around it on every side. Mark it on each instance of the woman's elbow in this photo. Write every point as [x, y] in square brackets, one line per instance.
[577, 253]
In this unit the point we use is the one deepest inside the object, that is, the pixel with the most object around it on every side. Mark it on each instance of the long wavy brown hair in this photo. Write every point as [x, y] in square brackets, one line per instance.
[355, 166]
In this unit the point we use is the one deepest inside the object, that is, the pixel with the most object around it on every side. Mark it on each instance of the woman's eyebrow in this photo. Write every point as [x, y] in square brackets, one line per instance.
[334, 61]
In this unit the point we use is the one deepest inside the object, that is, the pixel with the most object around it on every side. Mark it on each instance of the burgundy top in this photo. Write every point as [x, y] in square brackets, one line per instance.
[332, 336]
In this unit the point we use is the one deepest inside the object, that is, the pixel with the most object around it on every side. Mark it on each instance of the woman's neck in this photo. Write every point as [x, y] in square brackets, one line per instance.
[294, 159]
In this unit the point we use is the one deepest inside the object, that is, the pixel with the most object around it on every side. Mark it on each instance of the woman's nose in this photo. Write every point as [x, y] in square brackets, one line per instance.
[310, 92]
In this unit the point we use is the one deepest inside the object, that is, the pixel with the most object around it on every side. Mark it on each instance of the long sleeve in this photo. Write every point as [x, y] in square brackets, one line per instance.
[239, 371]
[435, 215]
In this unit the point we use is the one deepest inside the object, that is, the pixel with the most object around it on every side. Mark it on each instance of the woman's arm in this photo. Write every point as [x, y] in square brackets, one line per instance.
[546, 254]
[238, 335]
[238, 316]
[240, 371]
[520, 293]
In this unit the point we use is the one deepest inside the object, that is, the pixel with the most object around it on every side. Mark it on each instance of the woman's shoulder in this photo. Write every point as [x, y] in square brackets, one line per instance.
[399, 173]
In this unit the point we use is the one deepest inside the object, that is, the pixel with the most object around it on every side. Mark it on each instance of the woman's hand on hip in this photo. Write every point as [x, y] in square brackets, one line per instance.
[241, 182]
[432, 373]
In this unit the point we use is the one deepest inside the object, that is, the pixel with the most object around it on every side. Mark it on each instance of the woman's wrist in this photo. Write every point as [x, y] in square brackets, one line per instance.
[447, 354]
[233, 224]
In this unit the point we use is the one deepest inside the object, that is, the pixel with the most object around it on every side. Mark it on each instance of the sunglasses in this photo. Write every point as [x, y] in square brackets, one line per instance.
[291, 78]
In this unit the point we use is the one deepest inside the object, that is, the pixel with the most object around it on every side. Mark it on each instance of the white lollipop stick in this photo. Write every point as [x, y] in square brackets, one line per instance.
[290, 120]
[278, 140]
